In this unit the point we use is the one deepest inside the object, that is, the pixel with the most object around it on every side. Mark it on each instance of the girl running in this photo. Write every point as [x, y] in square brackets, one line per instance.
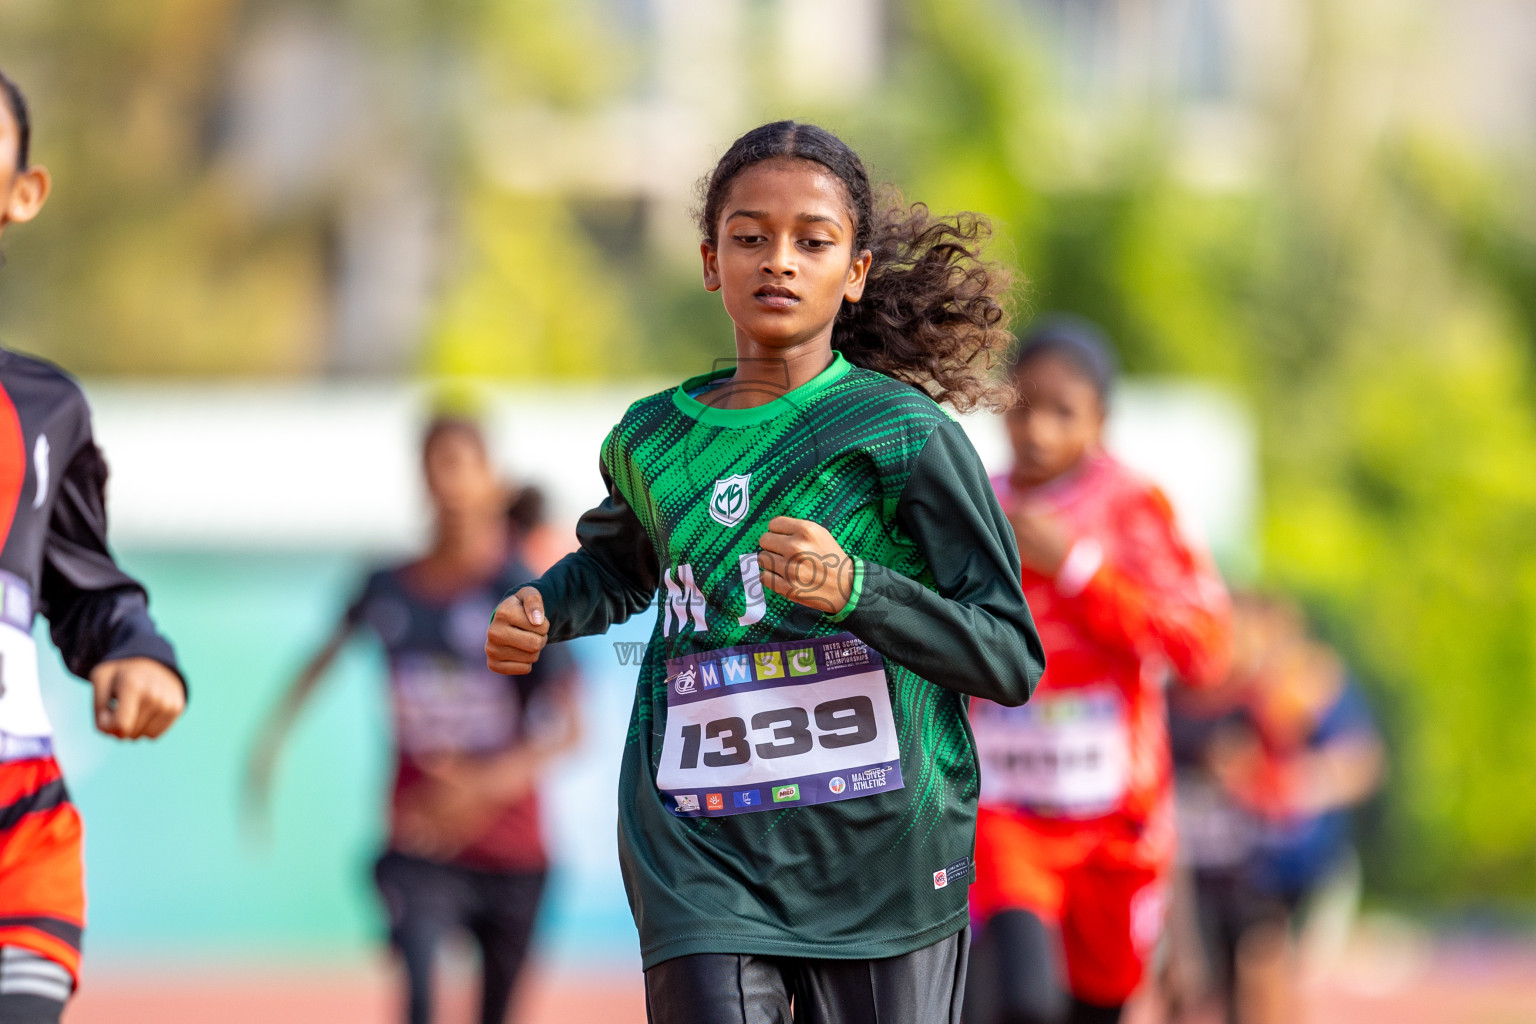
[465, 848]
[797, 795]
[1075, 831]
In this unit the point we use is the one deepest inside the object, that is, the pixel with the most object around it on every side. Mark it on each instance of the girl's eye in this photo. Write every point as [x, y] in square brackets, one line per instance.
[817, 244]
[748, 239]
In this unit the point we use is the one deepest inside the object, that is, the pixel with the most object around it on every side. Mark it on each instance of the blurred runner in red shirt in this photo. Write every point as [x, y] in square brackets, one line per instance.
[1075, 831]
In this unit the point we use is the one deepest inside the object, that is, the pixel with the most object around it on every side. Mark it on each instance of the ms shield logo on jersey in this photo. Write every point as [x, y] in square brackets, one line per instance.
[728, 504]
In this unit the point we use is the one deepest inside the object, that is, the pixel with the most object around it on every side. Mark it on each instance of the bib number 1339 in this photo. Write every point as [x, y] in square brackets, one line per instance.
[773, 725]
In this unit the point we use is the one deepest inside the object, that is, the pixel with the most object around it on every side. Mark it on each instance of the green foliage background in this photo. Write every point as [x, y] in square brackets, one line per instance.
[1372, 298]
[1371, 294]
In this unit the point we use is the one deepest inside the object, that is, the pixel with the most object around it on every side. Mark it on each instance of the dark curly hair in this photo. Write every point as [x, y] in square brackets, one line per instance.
[932, 313]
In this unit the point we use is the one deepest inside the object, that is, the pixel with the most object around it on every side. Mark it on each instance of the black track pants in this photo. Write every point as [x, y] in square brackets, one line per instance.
[921, 987]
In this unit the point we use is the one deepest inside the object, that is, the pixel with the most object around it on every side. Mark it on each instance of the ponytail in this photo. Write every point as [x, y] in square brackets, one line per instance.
[931, 314]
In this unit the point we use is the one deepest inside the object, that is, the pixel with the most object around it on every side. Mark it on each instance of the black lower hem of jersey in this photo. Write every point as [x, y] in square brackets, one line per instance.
[759, 945]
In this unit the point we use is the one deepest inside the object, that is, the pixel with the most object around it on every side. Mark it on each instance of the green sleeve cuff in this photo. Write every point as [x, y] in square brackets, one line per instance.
[853, 596]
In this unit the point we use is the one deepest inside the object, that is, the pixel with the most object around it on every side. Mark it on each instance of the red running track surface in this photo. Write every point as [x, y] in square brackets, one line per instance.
[1455, 990]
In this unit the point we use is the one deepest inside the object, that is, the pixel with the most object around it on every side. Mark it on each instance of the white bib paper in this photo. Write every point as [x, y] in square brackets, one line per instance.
[1065, 754]
[777, 725]
[443, 706]
[24, 726]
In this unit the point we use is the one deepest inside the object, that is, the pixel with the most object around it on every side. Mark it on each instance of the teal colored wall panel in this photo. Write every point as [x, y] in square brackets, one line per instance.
[171, 869]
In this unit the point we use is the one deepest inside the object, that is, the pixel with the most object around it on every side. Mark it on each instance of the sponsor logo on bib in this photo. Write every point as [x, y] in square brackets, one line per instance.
[837, 784]
[748, 798]
[729, 503]
[687, 680]
[769, 665]
[786, 794]
[736, 669]
[714, 801]
[802, 662]
[687, 802]
[871, 778]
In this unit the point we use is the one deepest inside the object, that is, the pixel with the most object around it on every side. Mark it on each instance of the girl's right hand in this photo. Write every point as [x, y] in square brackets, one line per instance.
[519, 630]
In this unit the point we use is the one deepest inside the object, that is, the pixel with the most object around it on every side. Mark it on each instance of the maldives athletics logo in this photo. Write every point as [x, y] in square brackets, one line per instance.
[729, 503]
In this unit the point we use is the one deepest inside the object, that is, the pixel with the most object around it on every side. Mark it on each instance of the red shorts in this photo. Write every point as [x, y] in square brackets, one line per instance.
[1109, 913]
[42, 878]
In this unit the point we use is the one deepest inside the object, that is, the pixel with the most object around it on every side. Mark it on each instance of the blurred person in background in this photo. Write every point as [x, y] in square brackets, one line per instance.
[540, 543]
[1273, 763]
[54, 560]
[465, 848]
[1075, 835]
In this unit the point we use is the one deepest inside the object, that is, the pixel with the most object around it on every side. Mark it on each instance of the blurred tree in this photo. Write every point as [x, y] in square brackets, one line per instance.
[144, 263]
[271, 188]
[1371, 293]
[529, 293]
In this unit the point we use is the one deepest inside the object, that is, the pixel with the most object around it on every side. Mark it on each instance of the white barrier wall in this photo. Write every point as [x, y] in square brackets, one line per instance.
[336, 467]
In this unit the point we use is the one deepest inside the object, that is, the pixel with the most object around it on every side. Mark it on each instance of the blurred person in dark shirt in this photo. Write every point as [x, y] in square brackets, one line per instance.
[1270, 768]
[465, 849]
[539, 542]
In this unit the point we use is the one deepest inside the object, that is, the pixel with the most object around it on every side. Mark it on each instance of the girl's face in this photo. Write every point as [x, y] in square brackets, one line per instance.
[1059, 419]
[783, 257]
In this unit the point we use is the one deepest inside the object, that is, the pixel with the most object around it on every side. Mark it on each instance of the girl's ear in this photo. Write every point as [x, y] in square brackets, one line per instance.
[711, 266]
[858, 274]
[28, 194]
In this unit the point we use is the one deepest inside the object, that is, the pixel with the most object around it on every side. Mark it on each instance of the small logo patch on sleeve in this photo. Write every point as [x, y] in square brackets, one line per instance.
[940, 878]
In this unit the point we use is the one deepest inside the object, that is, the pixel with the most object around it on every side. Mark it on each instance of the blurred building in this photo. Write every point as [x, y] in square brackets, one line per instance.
[312, 122]
[335, 468]
[368, 134]
[306, 186]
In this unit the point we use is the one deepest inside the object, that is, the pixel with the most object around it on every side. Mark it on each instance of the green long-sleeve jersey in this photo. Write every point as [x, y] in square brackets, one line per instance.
[796, 783]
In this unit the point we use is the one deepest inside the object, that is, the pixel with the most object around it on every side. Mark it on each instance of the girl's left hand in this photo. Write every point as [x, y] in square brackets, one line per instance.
[802, 561]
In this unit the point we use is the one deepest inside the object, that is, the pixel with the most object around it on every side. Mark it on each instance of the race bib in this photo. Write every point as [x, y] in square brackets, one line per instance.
[776, 725]
[24, 727]
[443, 706]
[1065, 754]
